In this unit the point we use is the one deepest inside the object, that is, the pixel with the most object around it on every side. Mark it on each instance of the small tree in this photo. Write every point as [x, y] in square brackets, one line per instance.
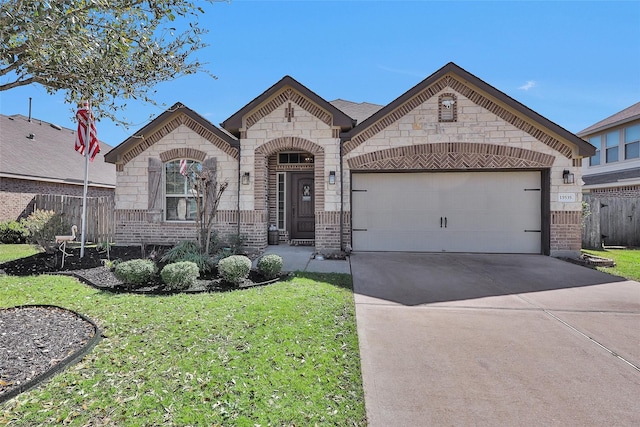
[208, 192]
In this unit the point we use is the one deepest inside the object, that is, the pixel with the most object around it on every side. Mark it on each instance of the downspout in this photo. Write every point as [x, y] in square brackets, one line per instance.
[341, 196]
[239, 177]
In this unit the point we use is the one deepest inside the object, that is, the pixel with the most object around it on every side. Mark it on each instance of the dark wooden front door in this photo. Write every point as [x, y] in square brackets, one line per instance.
[302, 205]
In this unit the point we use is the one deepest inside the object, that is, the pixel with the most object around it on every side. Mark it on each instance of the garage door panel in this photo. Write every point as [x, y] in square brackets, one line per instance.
[484, 212]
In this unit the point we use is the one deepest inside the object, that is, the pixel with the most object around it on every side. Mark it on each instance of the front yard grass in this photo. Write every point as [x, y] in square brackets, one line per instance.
[627, 262]
[11, 252]
[284, 354]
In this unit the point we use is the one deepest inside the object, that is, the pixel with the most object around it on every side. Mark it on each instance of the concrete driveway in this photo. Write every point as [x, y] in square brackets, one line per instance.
[509, 340]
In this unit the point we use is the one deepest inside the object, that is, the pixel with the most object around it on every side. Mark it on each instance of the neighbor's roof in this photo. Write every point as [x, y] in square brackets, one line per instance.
[616, 177]
[619, 118]
[40, 151]
[359, 111]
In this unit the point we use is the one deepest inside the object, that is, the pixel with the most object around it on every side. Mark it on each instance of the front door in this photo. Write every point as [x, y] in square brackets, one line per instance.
[302, 203]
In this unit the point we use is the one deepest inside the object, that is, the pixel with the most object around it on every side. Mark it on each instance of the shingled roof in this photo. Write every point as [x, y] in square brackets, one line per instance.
[619, 118]
[356, 110]
[40, 151]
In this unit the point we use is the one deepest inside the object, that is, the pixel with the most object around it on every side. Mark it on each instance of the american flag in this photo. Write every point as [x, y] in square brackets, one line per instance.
[85, 118]
[183, 167]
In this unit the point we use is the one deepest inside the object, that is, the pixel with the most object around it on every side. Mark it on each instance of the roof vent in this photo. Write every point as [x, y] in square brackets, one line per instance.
[31, 136]
[55, 126]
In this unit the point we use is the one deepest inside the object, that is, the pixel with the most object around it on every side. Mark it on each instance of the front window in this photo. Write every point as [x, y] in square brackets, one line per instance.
[632, 142]
[180, 197]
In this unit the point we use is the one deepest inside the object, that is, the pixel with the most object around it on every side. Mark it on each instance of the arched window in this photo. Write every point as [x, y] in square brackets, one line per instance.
[180, 195]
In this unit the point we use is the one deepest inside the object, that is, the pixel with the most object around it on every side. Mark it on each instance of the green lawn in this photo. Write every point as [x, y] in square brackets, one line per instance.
[11, 252]
[284, 354]
[627, 262]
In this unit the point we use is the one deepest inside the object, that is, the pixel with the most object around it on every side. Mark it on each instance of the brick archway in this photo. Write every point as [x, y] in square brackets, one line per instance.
[281, 144]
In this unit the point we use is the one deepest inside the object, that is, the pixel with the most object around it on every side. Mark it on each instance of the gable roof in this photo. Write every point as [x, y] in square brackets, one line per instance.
[165, 123]
[466, 79]
[627, 115]
[40, 151]
[338, 118]
[358, 110]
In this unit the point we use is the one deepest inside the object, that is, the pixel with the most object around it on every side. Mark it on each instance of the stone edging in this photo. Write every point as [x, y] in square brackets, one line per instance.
[72, 359]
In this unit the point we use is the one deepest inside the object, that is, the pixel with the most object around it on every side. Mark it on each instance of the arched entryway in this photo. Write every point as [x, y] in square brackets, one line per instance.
[290, 171]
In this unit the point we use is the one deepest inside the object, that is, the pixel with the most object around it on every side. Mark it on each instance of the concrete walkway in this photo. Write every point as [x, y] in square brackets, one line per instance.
[300, 258]
[508, 340]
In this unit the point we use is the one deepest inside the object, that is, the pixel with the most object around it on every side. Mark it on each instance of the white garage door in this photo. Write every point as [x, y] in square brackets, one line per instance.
[494, 212]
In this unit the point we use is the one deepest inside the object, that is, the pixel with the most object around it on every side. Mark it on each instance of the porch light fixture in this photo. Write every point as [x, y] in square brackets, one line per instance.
[332, 177]
[245, 178]
[567, 177]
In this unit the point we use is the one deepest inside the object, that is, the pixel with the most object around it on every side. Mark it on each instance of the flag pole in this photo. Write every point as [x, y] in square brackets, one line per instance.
[86, 179]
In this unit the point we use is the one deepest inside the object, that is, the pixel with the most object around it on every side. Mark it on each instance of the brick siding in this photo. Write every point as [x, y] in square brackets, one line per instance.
[627, 192]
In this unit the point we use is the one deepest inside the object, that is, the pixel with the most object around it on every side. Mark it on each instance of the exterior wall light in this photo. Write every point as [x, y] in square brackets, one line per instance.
[332, 177]
[245, 178]
[567, 177]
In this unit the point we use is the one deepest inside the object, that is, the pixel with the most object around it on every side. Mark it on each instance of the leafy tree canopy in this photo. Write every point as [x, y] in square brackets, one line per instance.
[105, 50]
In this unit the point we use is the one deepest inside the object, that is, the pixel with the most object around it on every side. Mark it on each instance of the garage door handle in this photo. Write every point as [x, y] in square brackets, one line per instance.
[445, 222]
[440, 222]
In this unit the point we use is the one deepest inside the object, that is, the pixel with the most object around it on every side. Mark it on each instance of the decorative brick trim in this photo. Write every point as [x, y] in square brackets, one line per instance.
[183, 153]
[172, 125]
[472, 95]
[281, 144]
[288, 94]
[455, 155]
[131, 215]
[577, 163]
[566, 217]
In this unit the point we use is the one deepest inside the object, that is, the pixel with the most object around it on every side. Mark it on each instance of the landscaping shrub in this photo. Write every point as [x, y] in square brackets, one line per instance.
[13, 232]
[188, 250]
[180, 275]
[235, 268]
[43, 227]
[136, 272]
[270, 265]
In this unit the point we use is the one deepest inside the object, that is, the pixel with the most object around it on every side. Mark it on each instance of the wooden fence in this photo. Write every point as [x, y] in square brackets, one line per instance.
[614, 221]
[100, 225]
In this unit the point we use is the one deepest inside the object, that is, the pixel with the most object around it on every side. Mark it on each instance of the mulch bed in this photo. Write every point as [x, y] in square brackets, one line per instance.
[35, 340]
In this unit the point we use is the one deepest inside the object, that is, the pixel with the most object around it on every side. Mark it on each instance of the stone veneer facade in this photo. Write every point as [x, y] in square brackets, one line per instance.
[480, 134]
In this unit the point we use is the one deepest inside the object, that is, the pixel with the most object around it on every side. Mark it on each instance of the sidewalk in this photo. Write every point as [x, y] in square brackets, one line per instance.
[299, 258]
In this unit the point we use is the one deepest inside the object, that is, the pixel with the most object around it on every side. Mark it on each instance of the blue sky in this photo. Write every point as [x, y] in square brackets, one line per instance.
[574, 62]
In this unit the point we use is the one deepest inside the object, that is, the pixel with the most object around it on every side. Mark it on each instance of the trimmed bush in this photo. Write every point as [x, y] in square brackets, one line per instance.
[235, 268]
[180, 275]
[270, 265]
[13, 232]
[136, 272]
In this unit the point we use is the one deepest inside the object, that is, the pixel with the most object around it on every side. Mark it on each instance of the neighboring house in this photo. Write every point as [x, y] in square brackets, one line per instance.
[612, 176]
[37, 157]
[452, 165]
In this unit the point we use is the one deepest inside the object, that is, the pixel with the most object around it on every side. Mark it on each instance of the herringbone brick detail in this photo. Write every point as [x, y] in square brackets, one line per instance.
[288, 94]
[472, 95]
[183, 119]
[459, 155]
